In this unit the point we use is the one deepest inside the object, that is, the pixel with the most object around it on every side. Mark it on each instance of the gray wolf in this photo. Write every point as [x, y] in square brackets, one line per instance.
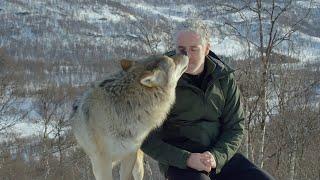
[114, 116]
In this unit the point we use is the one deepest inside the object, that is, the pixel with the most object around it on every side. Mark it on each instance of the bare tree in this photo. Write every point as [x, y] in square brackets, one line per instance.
[48, 103]
[10, 112]
[261, 27]
[153, 33]
[297, 113]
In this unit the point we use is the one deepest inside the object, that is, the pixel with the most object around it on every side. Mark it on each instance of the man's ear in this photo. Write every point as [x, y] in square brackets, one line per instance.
[207, 50]
[126, 64]
[151, 79]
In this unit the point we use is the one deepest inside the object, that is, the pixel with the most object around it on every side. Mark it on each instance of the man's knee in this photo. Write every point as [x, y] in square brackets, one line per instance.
[242, 168]
[252, 173]
[174, 173]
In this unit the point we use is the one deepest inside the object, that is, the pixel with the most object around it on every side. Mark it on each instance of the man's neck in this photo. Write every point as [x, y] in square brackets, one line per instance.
[200, 70]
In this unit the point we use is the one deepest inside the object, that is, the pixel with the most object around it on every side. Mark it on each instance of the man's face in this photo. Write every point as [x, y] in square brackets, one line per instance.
[190, 43]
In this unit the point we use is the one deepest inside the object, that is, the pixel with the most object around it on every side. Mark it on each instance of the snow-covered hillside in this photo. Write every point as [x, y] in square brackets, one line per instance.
[60, 29]
[83, 30]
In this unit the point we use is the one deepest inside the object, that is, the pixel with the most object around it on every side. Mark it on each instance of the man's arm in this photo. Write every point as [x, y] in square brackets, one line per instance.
[163, 152]
[171, 155]
[232, 128]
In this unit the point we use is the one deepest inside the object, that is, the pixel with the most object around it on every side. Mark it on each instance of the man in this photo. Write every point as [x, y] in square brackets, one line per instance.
[204, 129]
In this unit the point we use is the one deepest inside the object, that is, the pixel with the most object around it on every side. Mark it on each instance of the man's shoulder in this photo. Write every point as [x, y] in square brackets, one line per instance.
[217, 68]
[220, 64]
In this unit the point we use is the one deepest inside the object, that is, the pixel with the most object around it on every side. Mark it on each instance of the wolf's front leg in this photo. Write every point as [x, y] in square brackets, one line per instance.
[138, 170]
[102, 168]
[128, 164]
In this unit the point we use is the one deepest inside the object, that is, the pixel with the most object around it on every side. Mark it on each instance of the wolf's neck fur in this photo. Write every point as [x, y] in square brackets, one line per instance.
[143, 108]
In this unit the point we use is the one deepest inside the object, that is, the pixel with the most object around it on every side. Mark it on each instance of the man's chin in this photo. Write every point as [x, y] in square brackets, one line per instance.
[190, 72]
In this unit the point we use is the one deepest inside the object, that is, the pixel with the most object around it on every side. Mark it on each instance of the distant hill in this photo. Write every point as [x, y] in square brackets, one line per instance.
[83, 29]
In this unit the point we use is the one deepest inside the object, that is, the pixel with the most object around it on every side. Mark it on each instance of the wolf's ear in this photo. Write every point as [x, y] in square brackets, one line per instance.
[151, 79]
[126, 64]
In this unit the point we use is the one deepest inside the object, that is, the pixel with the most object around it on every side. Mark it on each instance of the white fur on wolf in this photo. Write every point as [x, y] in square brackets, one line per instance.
[114, 116]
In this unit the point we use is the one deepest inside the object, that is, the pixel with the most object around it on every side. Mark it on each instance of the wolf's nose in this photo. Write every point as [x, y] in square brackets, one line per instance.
[183, 52]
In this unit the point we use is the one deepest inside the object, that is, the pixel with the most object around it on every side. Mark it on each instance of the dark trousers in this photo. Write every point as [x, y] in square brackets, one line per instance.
[238, 167]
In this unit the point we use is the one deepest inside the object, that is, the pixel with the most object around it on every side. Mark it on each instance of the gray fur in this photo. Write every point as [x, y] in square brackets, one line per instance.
[115, 115]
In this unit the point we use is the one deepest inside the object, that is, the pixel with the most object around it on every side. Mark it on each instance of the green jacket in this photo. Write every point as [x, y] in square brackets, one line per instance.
[206, 119]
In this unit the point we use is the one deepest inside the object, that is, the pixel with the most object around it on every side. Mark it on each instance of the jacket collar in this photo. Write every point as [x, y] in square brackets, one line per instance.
[216, 68]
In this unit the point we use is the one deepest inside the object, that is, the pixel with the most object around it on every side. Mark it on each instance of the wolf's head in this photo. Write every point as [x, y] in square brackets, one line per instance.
[157, 71]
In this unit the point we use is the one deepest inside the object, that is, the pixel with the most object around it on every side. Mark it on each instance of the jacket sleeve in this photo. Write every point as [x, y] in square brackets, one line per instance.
[232, 124]
[163, 152]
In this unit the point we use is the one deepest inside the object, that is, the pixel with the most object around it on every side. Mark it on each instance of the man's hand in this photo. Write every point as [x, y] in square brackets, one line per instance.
[196, 161]
[208, 160]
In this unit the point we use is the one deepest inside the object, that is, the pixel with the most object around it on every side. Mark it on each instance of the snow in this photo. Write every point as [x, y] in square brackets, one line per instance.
[31, 125]
[28, 129]
[167, 12]
[307, 4]
[242, 16]
[317, 89]
[93, 12]
[92, 15]
[309, 51]
[227, 47]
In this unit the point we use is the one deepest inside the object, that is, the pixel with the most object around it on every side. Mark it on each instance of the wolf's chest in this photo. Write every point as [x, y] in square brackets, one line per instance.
[121, 148]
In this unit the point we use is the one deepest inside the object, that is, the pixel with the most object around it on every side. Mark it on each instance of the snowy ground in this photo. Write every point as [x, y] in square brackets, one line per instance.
[30, 125]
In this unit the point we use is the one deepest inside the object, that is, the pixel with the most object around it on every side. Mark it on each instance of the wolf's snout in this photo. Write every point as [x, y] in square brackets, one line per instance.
[181, 62]
[185, 60]
[181, 59]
